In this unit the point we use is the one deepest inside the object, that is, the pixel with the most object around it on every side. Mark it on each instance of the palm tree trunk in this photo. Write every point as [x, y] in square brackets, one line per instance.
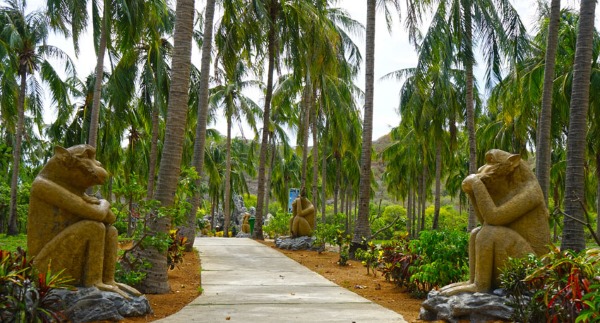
[270, 174]
[438, 176]
[324, 174]
[13, 229]
[573, 237]
[305, 127]
[227, 202]
[153, 150]
[338, 178]
[200, 138]
[598, 194]
[470, 105]
[95, 114]
[362, 232]
[424, 196]
[409, 214]
[315, 155]
[543, 162]
[156, 280]
[273, 12]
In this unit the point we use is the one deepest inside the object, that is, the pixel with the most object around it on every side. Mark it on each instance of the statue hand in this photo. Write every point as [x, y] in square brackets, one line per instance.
[467, 183]
[90, 199]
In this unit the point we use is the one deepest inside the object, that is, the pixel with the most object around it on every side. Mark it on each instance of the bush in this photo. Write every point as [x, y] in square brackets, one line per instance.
[279, 225]
[439, 266]
[512, 279]
[25, 295]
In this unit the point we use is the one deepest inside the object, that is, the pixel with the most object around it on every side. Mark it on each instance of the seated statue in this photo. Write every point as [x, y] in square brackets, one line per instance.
[246, 223]
[509, 203]
[302, 223]
[68, 229]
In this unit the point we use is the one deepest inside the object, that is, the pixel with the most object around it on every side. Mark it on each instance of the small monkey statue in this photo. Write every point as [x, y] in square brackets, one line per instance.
[302, 223]
[69, 229]
[509, 203]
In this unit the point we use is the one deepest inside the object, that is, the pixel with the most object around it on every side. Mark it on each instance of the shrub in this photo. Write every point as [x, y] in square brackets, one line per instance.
[279, 225]
[25, 294]
[512, 279]
[395, 260]
[438, 266]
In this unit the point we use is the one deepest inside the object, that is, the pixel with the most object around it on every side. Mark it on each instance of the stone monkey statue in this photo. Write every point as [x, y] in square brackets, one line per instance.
[302, 222]
[246, 223]
[509, 203]
[69, 229]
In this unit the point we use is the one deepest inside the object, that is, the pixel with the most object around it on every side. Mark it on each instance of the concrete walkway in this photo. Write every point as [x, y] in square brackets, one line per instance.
[246, 281]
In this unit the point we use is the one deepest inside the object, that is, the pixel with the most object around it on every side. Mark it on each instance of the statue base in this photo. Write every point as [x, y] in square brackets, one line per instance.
[300, 243]
[87, 304]
[465, 307]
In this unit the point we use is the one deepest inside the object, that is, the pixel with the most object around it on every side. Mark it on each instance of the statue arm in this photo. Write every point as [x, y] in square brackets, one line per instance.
[57, 195]
[309, 210]
[508, 212]
[474, 204]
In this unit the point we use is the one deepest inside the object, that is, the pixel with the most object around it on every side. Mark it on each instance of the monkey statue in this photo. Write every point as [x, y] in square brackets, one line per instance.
[302, 223]
[510, 205]
[69, 229]
[246, 223]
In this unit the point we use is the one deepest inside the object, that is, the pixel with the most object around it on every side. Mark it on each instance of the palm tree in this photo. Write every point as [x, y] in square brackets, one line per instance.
[235, 105]
[573, 237]
[362, 231]
[544, 142]
[501, 34]
[200, 138]
[156, 280]
[24, 37]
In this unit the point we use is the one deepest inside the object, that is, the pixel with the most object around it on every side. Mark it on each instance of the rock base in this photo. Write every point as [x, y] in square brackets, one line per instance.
[87, 304]
[300, 243]
[466, 307]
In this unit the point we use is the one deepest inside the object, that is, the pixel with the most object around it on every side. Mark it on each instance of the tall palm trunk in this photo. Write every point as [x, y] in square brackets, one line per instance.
[438, 176]
[156, 280]
[409, 215]
[153, 149]
[598, 194]
[362, 231]
[543, 162]
[315, 155]
[324, 173]
[200, 138]
[272, 152]
[95, 114]
[470, 104]
[338, 176]
[273, 12]
[13, 229]
[227, 202]
[573, 237]
[305, 127]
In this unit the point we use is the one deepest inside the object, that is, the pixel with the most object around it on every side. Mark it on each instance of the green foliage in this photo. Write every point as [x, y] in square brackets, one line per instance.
[395, 261]
[274, 207]
[369, 257]
[450, 219]
[512, 279]
[279, 225]
[326, 233]
[250, 200]
[25, 294]
[11, 243]
[176, 249]
[563, 281]
[443, 259]
[389, 214]
[342, 240]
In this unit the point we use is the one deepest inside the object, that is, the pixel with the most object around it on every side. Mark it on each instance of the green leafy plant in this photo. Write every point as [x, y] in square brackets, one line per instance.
[25, 294]
[279, 225]
[369, 257]
[396, 260]
[512, 280]
[438, 266]
[176, 249]
[343, 240]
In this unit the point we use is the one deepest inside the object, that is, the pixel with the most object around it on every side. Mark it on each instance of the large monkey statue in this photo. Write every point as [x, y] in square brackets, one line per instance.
[69, 229]
[509, 203]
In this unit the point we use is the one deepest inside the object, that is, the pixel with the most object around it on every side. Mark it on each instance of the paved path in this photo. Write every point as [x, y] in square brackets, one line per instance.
[246, 281]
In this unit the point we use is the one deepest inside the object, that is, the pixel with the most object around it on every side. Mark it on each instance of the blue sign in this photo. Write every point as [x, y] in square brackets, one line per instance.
[294, 192]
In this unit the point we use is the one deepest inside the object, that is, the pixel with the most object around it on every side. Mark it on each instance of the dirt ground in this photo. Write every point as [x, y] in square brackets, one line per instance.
[184, 281]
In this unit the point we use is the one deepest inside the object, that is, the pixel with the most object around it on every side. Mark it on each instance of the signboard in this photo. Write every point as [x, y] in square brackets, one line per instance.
[294, 192]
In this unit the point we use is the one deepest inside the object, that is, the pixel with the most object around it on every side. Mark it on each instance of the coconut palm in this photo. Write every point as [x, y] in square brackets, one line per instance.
[156, 280]
[501, 33]
[24, 37]
[236, 105]
[573, 237]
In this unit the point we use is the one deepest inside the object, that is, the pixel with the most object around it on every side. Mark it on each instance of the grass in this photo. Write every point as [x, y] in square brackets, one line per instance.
[10, 243]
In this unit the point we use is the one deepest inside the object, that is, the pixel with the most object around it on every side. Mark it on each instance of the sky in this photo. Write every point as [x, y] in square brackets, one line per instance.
[392, 52]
